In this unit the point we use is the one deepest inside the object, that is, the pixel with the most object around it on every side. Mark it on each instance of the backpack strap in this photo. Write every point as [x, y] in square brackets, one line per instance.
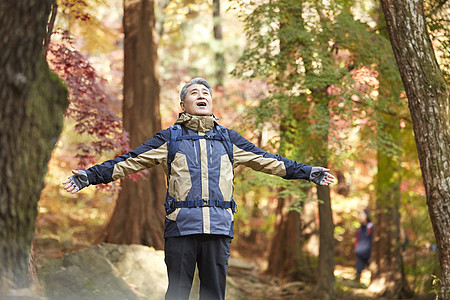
[171, 204]
[226, 141]
[176, 137]
[175, 132]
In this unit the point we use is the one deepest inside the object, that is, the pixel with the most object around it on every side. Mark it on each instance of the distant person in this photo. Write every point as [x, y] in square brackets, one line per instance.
[198, 156]
[363, 243]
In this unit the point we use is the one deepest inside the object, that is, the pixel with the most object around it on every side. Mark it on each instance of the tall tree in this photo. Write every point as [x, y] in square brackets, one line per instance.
[290, 46]
[285, 259]
[219, 55]
[428, 101]
[139, 216]
[388, 278]
[326, 281]
[33, 101]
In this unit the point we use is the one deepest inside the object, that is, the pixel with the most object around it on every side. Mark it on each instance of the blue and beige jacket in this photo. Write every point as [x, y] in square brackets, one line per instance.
[200, 184]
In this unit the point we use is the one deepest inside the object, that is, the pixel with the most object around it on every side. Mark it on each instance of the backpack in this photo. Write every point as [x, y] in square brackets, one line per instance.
[176, 137]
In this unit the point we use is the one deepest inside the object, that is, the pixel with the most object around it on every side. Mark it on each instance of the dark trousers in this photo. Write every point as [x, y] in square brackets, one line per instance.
[361, 263]
[209, 252]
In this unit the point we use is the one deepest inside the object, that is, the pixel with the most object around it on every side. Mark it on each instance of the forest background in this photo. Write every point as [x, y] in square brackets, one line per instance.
[320, 86]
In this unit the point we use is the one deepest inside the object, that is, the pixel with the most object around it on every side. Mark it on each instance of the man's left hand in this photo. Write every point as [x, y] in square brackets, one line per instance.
[320, 176]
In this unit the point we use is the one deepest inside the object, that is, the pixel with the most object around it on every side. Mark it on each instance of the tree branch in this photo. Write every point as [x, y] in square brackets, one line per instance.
[50, 25]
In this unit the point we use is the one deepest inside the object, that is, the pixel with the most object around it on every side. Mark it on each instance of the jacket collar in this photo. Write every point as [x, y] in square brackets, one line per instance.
[197, 123]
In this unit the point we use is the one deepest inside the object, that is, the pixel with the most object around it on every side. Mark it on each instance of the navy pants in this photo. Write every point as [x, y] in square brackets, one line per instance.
[361, 263]
[209, 252]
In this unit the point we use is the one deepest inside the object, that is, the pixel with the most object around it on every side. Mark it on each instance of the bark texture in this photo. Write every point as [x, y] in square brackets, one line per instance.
[388, 278]
[286, 256]
[219, 56]
[428, 100]
[326, 284]
[139, 215]
[284, 260]
[32, 104]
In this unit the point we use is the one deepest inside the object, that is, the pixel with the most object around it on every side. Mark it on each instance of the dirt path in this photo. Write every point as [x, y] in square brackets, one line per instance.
[256, 285]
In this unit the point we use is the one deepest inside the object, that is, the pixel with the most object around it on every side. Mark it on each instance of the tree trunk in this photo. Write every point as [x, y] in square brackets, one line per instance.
[388, 278]
[310, 231]
[32, 104]
[139, 215]
[284, 251]
[219, 56]
[326, 284]
[428, 100]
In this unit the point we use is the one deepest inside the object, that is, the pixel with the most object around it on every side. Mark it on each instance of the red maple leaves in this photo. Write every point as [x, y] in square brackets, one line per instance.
[90, 104]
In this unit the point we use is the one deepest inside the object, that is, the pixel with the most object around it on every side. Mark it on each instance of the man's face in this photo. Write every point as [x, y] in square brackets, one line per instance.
[198, 101]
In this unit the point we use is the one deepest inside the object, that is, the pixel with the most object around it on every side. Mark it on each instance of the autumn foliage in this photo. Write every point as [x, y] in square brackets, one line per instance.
[89, 104]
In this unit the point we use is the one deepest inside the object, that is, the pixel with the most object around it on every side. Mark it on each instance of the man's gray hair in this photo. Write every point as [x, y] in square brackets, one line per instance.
[196, 80]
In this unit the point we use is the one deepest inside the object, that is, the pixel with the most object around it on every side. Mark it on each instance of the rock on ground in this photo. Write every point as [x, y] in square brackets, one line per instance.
[109, 271]
[86, 274]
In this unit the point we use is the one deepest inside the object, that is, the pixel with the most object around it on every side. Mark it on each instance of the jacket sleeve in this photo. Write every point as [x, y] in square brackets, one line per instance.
[246, 153]
[147, 155]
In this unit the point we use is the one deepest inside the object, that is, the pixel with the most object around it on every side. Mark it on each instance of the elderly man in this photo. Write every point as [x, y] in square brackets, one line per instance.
[198, 156]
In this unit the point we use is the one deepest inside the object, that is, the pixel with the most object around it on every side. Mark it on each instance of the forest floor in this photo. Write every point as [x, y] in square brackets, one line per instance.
[262, 286]
[245, 280]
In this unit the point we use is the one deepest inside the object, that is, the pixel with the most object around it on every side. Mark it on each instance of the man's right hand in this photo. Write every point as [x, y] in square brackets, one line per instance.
[78, 181]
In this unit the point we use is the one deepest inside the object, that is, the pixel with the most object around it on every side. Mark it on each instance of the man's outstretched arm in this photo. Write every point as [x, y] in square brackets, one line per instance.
[147, 155]
[246, 153]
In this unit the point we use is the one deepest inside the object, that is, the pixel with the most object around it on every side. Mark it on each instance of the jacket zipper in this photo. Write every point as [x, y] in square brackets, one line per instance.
[195, 152]
[210, 152]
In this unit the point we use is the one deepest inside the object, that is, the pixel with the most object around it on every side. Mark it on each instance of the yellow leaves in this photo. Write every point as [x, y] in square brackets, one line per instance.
[92, 21]
[176, 12]
[174, 7]
[98, 37]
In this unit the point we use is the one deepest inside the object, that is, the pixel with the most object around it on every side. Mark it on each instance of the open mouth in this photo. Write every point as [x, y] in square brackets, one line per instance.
[201, 104]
